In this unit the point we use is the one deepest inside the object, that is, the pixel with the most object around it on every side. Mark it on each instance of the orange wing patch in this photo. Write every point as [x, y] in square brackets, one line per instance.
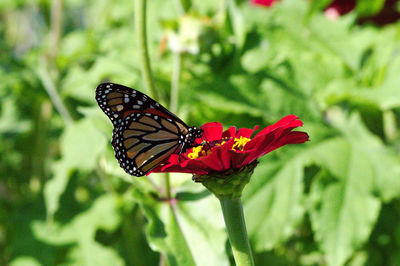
[146, 156]
[168, 125]
[140, 126]
[132, 133]
[160, 136]
[133, 151]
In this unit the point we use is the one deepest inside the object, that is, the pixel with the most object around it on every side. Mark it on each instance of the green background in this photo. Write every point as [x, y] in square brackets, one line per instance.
[332, 201]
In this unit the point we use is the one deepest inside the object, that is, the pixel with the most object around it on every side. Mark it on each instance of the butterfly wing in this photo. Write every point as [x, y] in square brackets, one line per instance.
[118, 101]
[145, 133]
[144, 140]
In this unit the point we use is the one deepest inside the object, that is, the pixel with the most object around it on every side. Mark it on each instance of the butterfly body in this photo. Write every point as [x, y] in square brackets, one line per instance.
[145, 133]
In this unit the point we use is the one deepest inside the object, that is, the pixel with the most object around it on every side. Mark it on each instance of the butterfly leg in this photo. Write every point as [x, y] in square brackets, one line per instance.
[208, 145]
[180, 152]
[205, 142]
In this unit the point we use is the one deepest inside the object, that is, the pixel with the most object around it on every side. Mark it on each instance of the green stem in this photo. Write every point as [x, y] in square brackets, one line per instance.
[176, 75]
[220, 17]
[55, 28]
[236, 227]
[141, 35]
[51, 90]
[167, 186]
[389, 125]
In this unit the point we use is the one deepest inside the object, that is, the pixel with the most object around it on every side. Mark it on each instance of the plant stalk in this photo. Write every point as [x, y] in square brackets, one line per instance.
[168, 186]
[236, 227]
[176, 75]
[389, 125]
[141, 35]
[51, 90]
[55, 29]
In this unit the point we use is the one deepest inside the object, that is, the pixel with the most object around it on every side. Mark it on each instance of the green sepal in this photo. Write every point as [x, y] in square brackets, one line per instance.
[228, 184]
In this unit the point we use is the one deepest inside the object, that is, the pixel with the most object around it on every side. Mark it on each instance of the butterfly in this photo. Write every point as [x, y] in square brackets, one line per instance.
[145, 133]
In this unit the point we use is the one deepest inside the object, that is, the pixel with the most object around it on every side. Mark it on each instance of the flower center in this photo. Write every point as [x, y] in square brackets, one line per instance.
[195, 152]
[240, 143]
[204, 148]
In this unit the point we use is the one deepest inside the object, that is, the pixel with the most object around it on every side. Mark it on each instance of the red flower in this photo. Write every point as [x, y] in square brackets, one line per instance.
[233, 149]
[388, 14]
[342, 6]
[263, 2]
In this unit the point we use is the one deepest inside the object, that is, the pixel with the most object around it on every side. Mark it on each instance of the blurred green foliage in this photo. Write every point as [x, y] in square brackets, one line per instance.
[332, 201]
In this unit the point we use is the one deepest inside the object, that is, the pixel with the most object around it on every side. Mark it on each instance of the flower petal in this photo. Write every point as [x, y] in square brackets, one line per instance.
[212, 131]
[219, 160]
[239, 158]
[287, 121]
[223, 158]
[182, 165]
[246, 132]
[267, 3]
[229, 133]
[269, 142]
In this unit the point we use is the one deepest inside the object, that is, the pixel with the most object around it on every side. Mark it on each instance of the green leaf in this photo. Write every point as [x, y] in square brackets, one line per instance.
[163, 231]
[293, 35]
[101, 215]
[237, 19]
[54, 188]
[228, 105]
[206, 6]
[258, 58]
[369, 7]
[81, 231]
[386, 96]
[81, 84]
[187, 232]
[94, 254]
[81, 144]
[383, 162]
[345, 210]
[24, 261]
[202, 224]
[342, 217]
[77, 45]
[283, 99]
[272, 202]
[8, 120]
[317, 6]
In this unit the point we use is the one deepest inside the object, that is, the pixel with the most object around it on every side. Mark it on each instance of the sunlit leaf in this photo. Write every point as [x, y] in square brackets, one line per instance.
[24, 261]
[186, 230]
[8, 118]
[81, 232]
[345, 210]
[80, 146]
[163, 231]
[273, 202]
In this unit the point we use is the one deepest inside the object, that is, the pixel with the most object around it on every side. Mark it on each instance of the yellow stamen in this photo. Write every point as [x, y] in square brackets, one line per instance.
[240, 143]
[219, 144]
[203, 150]
[195, 152]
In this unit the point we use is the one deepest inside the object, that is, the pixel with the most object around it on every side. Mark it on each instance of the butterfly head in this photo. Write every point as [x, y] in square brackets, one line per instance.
[192, 134]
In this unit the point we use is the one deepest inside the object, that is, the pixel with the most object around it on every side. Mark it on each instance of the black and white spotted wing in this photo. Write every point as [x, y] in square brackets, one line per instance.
[145, 133]
[118, 101]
